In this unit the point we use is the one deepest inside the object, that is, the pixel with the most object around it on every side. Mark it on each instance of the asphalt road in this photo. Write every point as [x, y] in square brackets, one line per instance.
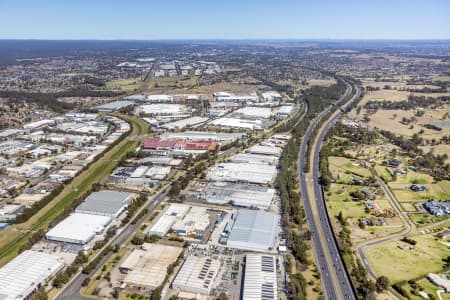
[72, 289]
[405, 232]
[335, 279]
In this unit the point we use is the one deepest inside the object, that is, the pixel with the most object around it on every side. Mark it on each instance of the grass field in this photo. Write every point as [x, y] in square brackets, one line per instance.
[436, 191]
[16, 236]
[339, 166]
[388, 259]
[172, 82]
[127, 85]
[338, 200]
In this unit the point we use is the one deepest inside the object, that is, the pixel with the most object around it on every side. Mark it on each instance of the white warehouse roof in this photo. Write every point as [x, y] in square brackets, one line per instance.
[180, 124]
[163, 225]
[254, 230]
[197, 275]
[254, 159]
[21, 276]
[163, 109]
[260, 280]
[78, 228]
[242, 172]
[265, 150]
[253, 112]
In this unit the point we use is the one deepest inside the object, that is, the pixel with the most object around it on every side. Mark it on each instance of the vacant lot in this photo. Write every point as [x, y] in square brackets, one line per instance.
[127, 85]
[388, 259]
[340, 166]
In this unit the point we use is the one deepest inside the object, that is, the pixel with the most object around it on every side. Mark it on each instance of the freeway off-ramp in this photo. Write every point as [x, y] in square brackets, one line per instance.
[335, 280]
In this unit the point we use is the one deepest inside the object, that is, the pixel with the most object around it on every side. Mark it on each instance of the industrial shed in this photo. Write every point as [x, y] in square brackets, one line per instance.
[260, 281]
[254, 230]
[194, 222]
[242, 172]
[115, 105]
[240, 194]
[266, 150]
[25, 273]
[78, 228]
[203, 136]
[163, 225]
[105, 203]
[254, 159]
[147, 267]
[175, 212]
[197, 275]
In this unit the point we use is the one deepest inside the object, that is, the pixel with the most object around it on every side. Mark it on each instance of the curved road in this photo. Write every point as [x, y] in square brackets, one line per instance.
[335, 280]
[404, 233]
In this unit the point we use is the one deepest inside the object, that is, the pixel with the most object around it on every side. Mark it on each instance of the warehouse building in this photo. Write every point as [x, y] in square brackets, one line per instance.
[178, 210]
[175, 212]
[183, 123]
[147, 267]
[105, 203]
[26, 273]
[254, 230]
[285, 110]
[204, 136]
[254, 159]
[260, 281]
[237, 123]
[252, 113]
[243, 195]
[78, 228]
[197, 275]
[242, 172]
[115, 105]
[193, 223]
[266, 150]
[162, 226]
[163, 109]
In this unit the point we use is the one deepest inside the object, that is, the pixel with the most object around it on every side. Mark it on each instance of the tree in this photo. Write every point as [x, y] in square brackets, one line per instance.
[40, 294]
[222, 296]
[382, 283]
[86, 281]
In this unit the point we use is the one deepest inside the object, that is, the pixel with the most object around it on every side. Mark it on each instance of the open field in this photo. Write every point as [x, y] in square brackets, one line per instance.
[390, 120]
[437, 191]
[172, 82]
[339, 200]
[341, 165]
[388, 259]
[321, 82]
[225, 86]
[127, 85]
[15, 236]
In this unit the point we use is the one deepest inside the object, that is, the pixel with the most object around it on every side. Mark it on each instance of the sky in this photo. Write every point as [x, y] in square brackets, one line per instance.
[224, 19]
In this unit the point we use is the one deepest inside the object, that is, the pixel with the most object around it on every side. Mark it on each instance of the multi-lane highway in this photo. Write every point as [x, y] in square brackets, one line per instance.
[335, 279]
[72, 289]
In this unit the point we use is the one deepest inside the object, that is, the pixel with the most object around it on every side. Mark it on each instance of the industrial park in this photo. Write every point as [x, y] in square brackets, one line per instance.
[230, 150]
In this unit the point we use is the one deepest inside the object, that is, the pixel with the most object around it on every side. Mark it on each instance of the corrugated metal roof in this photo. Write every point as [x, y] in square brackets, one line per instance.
[24, 273]
[105, 203]
[254, 229]
[260, 280]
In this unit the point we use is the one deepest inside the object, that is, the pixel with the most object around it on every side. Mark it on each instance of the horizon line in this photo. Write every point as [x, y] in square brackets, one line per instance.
[227, 39]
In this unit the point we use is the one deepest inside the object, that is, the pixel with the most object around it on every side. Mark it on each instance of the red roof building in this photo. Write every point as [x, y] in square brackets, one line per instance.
[162, 144]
